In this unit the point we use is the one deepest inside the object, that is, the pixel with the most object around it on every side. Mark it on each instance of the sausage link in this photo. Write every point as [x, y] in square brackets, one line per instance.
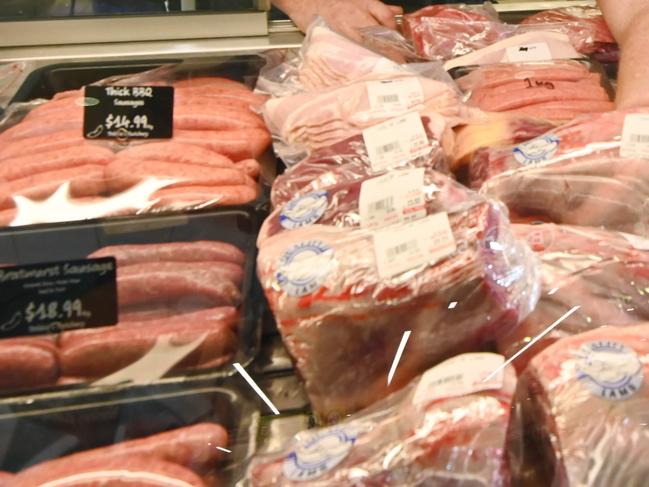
[235, 144]
[27, 363]
[225, 270]
[176, 152]
[205, 195]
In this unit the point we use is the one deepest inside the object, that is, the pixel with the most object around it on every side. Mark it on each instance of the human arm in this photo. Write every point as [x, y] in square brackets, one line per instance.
[345, 16]
[629, 23]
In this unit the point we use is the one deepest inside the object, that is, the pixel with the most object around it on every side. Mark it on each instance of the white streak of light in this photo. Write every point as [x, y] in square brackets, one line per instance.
[532, 342]
[553, 290]
[397, 357]
[255, 387]
[452, 305]
[223, 449]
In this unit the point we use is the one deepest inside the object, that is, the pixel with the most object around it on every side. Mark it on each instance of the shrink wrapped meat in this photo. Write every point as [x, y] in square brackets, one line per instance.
[417, 436]
[342, 317]
[605, 273]
[583, 403]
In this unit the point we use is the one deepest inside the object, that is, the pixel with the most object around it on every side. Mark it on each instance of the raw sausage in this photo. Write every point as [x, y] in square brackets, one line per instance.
[205, 195]
[27, 363]
[122, 471]
[235, 144]
[210, 117]
[228, 270]
[43, 143]
[177, 152]
[143, 315]
[250, 167]
[101, 354]
[207, 82]
[199, 251]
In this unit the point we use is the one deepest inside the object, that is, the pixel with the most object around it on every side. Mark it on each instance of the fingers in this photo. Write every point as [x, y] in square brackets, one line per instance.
[382, 13]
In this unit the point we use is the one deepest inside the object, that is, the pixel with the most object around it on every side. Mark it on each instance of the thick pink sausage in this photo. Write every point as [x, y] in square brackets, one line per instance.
[21, 167]
[5, 478]
[199, 251]
[144, 315]
[27, 363]
[206, 116]
[101, 354]
[227, 270]
[220, 97]
[236, 144]
[250, 166]
[206, 287]
[122, 471]
[201, 195]
[122, 174]
[176, 152]
[211, 82]
[43, 143]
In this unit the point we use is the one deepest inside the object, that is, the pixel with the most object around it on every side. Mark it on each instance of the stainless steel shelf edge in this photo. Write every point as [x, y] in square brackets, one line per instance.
[132, 29]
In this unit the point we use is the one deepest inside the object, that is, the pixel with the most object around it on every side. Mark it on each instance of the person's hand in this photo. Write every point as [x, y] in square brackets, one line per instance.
[345, 16]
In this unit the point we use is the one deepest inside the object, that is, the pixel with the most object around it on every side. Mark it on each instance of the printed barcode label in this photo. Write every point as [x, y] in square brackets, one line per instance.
[403, 247]
[465, 374]
[392, 97]
[383, 205]
[396, 142]
[539, 51]
[635, 136]
[392, 198]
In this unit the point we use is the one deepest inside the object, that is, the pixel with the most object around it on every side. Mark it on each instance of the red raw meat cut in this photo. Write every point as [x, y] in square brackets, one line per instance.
[349, 160]
[605, 273]
[406, 440]
[444, 32]
[342, 322]
[581, 411]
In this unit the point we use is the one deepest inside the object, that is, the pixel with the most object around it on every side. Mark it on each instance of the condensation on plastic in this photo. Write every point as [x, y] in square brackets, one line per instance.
[187, 303]
[158, 438]
[344, 333]
[583, 181]
[456, 440]
[563, 432]
[49, 172]
[348, 161]
[343, 188]
[605, 273]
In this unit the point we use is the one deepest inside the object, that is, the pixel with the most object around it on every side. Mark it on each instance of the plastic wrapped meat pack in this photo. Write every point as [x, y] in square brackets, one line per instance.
[583, 403]
[182, 306]
[339, 296]
[49, 172]
[604, 273]
[425, 434]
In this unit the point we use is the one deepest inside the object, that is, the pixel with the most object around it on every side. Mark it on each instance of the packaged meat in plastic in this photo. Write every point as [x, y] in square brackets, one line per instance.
[591, 175]
[535, 45]
[174, 436]
[494, 131]
[306, 122]
[556, 91]
[448, 31]
[181, 306]
[447, 427]
[50, 172]
[585, 26]
[420, 142]
[344, 297]
[371, 201]
[604, 273]
[583, 405]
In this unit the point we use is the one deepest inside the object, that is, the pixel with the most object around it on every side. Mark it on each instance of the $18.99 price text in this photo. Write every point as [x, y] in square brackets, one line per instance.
[54, 310]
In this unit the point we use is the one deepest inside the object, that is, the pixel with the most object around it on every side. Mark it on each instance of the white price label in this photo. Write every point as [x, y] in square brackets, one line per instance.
[538, 51]
[392, 97]
[393, 198]
[396, 141]
[461, 375]
[403, 247]
[635, 136]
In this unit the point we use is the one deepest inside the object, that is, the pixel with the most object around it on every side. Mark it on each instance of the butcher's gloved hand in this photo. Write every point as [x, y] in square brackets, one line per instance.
[345, 16]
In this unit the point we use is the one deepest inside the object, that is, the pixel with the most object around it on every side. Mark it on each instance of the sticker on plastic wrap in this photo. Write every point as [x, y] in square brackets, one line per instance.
[635, 136]
[392, 97]
[539, 51]
[128, 112]
[400, 248]
[319, 453]
[536, 150]
[609, 369]
[396, 142]
[461, 375]
[304, 267]
[303, 210]
[57, 296]
[393, 198]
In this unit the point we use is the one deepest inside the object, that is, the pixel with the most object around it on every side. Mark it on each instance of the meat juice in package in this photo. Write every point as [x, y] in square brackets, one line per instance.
[447, 427]
[581, 412]
[180, 436]
[50, 172]
[588, 172]
[186, 303]
[343, 297]
[603, 274]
